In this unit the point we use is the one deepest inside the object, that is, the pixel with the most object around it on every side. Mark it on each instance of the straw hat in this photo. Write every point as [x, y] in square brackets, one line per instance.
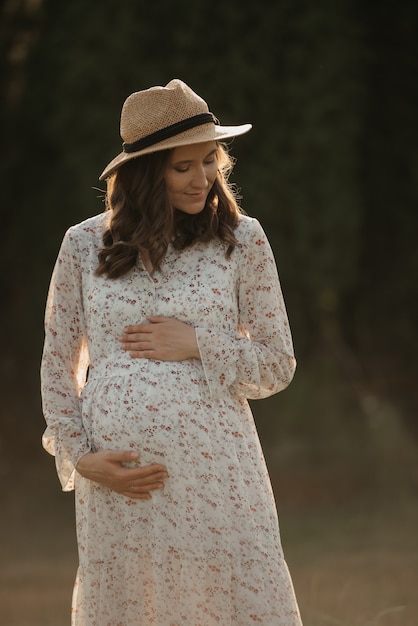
[166, 117]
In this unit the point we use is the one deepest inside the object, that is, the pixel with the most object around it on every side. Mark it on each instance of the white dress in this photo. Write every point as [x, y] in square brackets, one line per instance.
[205, 550]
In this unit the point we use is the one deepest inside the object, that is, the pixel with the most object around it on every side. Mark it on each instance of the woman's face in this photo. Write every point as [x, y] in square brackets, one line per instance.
[189, 176]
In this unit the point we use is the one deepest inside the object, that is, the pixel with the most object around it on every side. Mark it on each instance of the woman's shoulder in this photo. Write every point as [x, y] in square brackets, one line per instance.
[248, 228]
[89, 229]
[85, 238]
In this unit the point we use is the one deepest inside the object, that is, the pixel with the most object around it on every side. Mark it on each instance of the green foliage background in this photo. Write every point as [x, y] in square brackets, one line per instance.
[330, 169]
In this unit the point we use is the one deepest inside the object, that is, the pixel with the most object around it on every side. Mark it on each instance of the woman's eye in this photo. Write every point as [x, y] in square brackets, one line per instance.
[186, 168]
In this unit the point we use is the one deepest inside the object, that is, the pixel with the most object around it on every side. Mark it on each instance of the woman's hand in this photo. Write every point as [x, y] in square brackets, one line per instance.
[106, 468]
[163, 339]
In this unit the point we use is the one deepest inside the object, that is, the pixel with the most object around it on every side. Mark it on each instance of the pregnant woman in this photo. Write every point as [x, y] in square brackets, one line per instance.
[164, 316]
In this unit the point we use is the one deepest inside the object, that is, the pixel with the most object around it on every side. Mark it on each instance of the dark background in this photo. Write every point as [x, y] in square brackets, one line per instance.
[330, 169]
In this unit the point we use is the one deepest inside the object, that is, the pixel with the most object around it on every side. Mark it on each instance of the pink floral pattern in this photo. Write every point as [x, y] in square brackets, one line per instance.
[205, 550]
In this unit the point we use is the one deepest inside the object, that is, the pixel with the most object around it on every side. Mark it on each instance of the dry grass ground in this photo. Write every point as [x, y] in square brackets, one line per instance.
[355, 567]
[354, 563]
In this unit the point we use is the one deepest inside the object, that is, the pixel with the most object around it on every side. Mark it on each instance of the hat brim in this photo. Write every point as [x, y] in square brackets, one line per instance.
[206, 132]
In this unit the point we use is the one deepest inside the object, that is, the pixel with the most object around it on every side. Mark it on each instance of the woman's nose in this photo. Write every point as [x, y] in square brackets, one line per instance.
[200, 179]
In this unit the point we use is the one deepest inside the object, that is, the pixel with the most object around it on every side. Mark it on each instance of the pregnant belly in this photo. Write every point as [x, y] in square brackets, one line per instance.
[146, 413]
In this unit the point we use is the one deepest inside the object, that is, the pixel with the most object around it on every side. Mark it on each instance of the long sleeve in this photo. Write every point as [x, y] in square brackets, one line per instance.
[64, 364]
[258, 360]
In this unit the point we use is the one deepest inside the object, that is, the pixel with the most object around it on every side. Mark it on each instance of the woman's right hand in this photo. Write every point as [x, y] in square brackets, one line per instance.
[106, 468]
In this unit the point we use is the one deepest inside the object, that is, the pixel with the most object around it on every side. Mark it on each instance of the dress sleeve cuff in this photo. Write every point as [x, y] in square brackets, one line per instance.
[66, 455]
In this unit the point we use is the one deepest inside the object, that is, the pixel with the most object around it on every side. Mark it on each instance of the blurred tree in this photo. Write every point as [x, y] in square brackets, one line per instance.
[330, 167]
[19, 35]
[381, 318]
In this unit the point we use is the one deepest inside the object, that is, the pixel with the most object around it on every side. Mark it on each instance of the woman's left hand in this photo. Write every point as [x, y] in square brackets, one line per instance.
[163, 339]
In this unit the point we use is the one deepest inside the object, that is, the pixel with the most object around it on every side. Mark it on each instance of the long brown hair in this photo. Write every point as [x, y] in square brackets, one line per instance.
[142, 218]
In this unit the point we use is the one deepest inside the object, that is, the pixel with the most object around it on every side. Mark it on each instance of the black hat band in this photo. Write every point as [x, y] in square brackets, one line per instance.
[169, 131]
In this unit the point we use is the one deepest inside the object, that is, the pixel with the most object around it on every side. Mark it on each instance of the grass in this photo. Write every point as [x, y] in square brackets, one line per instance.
[354, 566]
[348, 531]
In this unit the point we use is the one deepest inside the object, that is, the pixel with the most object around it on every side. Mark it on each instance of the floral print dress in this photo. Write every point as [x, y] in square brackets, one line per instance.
[205, 550]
